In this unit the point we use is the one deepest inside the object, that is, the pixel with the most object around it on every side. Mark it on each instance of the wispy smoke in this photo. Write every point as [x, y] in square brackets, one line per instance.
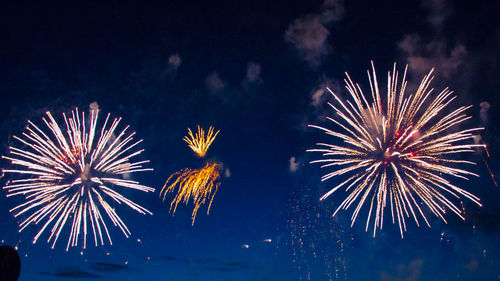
[483, 112]
[319, 108]
[320, 95]
[423, 55]
[404, 272]
[93, 106]
[214, 83]
[309, 34]
[253, 73]
[174, 61]
[316, 96]
[439, 10]
[294, 165]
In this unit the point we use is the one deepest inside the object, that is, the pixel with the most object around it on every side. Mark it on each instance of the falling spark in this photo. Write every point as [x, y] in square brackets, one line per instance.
[200, 143]
[397, 151]
[492, 176]
[199, 185]
[68, 173]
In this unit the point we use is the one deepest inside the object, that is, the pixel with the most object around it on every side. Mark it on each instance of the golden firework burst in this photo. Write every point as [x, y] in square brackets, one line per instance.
[199, 185]
[200, 142]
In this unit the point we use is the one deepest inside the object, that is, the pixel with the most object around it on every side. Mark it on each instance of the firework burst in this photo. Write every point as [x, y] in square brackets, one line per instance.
[66, 177]
[397, 151]
[197, 184]
[200, 143]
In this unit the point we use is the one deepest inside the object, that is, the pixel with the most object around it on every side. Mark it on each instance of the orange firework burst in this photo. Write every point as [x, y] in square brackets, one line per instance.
[200, 143]
[198, 184]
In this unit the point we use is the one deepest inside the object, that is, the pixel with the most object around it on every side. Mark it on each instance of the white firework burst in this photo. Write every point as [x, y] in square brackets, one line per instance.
[398, 151]
[68, 176]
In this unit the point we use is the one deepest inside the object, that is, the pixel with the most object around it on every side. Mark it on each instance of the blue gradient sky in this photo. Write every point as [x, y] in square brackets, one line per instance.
[252, 69]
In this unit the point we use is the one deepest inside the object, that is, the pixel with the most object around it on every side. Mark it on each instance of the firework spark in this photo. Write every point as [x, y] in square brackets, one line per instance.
[67, 177]
[198, 184]
[200, 143]
[398, 151]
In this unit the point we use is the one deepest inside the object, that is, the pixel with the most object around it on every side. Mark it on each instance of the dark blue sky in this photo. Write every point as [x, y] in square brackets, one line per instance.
[252, 69]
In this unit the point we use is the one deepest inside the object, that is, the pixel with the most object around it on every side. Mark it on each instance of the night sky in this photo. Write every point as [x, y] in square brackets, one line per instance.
[255, 70]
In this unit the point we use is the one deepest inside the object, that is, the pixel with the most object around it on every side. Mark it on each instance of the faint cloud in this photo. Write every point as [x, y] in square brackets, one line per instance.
[93, 106]
[477, 140]
[422, 56]
[439, 10]
[483, 112]
[309, 34]
[253, 73]
[333, 10]
[174, 61]
[294, 165]
[71, 272]
[473, 264]
[409, 272]
[316, 97]
[108, 267]
[214, 83]
[320, 94]
[319, 97]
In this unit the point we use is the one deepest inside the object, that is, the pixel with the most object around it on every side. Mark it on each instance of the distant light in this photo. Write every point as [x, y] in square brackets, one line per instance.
[268, 240]
[246, 246]
[139, 240]
[108, 253]
[149, 258]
